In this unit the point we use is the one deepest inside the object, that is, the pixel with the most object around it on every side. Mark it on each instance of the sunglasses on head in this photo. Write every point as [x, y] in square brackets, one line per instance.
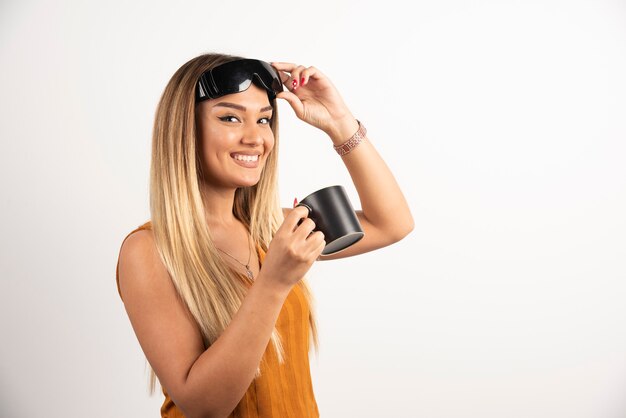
[237, 76]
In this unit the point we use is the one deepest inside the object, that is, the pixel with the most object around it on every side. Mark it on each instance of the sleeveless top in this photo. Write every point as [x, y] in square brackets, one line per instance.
[282, 390]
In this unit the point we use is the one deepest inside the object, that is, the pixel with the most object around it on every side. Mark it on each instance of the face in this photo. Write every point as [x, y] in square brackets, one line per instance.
[236, 137]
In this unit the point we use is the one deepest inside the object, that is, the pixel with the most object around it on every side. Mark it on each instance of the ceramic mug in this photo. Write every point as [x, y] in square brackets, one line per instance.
[333, 214]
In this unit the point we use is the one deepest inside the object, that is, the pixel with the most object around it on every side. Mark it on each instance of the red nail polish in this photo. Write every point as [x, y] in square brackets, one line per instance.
[295, 82]
[302, 80]
[295, 201]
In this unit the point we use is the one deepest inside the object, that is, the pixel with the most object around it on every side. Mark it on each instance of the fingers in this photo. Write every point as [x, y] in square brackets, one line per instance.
[295, 76]
[320, 248]
[288, 73]
[314, 240]
[317, 243]
[296, 80]
[294, 101]
[296, 214]
[304, 230]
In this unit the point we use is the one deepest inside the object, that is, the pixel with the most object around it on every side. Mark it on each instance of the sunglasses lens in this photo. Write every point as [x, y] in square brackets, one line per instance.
[237, 76]
[272, 79]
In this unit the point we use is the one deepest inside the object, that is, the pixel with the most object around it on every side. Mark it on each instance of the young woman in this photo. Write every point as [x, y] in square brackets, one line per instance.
[214, 284]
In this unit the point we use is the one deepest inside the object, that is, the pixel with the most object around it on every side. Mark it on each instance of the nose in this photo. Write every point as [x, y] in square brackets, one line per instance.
[253, 135]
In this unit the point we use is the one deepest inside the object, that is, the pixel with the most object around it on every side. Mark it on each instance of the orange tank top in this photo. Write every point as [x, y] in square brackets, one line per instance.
[283, 390]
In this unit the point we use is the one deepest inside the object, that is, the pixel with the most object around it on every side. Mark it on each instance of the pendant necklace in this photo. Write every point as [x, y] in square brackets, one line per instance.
[247, 265]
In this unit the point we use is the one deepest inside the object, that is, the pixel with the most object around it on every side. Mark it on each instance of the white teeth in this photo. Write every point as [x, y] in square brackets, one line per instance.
[246, 157]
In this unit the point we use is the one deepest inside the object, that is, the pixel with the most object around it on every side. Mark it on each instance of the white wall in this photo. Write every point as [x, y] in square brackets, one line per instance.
[503, 121]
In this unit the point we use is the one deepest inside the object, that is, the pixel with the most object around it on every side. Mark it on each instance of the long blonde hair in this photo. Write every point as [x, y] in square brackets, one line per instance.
[210, 288]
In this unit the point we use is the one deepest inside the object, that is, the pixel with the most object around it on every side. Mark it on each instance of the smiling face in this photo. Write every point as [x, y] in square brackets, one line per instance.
[235, 138]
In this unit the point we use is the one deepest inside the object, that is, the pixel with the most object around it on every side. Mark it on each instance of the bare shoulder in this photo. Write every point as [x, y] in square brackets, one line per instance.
[139, 262]
[138, 243]
[169, 336]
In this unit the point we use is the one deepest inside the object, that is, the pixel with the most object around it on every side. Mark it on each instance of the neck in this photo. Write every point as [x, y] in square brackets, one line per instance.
[218, 206]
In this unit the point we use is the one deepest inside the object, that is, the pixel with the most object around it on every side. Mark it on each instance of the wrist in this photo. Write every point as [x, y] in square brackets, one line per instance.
[343, 129]
[354, 141]
[272, 288]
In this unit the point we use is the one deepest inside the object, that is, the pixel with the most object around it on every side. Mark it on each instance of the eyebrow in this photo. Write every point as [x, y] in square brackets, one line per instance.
[242, 108]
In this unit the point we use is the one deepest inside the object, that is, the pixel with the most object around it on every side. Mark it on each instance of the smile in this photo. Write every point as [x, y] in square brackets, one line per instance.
[248, 161]
[241, 157]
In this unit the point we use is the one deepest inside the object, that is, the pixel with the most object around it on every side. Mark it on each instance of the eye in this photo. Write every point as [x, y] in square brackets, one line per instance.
[235, 119]
[229, 118]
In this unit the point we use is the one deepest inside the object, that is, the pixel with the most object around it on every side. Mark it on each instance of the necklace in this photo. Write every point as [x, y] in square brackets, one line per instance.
[247, 265]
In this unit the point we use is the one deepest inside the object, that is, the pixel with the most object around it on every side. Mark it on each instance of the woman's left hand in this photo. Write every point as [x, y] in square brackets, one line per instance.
[315, 100]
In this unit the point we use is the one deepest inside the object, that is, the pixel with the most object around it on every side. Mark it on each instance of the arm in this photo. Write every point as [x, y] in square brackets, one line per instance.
[211, 382]
[202, 383]
[385, 215]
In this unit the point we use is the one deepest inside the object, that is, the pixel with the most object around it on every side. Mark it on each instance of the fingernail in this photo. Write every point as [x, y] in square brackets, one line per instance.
[295, 201]
[295, 83]
[302, 80]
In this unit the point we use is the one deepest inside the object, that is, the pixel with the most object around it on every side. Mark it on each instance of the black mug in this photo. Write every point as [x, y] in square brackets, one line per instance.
[333, 214]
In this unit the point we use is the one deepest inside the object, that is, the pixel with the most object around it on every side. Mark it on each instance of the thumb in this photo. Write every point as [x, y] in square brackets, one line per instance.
[294, 102]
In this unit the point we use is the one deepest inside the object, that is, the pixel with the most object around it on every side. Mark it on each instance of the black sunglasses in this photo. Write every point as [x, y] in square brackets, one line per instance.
[237, 76]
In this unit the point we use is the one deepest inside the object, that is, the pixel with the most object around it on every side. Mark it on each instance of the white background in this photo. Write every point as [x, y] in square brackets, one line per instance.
[503, 122]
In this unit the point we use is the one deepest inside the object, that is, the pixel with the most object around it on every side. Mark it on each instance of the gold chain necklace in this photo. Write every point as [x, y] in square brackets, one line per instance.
[247, 265]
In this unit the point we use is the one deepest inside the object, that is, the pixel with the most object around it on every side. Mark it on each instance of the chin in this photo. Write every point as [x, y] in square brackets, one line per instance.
[249, 182]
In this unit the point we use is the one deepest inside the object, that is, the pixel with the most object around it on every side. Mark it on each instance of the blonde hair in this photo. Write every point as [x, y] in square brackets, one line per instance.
[210, 288]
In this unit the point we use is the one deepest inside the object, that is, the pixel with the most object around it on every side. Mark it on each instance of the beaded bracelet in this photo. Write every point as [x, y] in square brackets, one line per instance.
[353, 142]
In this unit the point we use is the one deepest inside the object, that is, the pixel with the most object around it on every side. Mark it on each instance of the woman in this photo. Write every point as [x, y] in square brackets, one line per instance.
[214, 284]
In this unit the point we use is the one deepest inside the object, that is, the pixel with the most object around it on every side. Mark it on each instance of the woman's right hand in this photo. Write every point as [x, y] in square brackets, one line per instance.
[292, 250]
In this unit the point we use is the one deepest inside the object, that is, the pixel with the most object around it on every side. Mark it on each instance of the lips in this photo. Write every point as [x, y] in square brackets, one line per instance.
[245, 157]
[246, 160]
[245, 153]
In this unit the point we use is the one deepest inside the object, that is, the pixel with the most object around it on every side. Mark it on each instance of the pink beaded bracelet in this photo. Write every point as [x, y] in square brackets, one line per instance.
[353, 142]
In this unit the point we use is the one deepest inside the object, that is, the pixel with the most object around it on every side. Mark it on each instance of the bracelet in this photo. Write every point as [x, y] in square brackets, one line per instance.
[353, 142]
